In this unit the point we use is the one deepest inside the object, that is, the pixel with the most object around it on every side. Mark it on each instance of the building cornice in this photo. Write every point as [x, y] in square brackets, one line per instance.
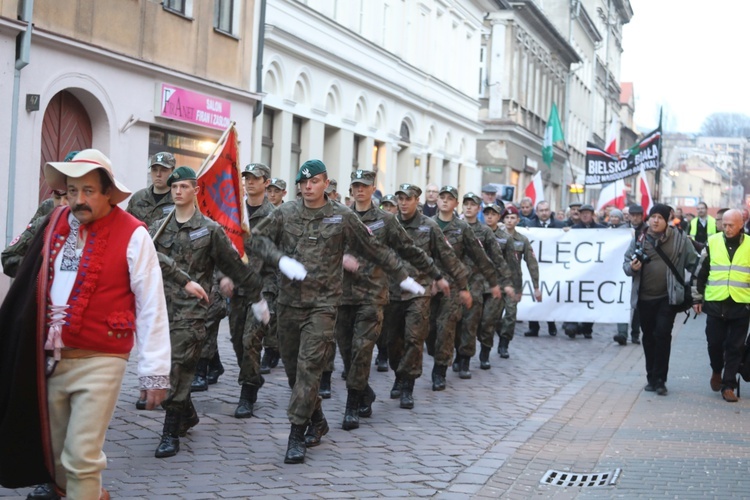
[530, 13]
[588, 24]
[624, 10]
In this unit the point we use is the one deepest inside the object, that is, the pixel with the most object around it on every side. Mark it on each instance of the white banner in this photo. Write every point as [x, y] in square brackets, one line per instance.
[580, 276]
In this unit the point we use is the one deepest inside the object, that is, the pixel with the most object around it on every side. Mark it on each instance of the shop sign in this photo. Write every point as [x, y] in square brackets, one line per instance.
[193, 107]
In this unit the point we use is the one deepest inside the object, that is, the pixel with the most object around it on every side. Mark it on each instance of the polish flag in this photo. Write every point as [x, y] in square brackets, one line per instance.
[612, 135]
[646, 200]
[535, 190]
[612, 194]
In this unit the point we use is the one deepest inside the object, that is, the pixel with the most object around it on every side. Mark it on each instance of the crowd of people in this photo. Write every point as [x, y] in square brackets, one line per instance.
[389, 273]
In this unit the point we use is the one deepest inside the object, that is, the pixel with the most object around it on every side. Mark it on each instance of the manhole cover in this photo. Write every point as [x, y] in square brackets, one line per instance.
[578, 479]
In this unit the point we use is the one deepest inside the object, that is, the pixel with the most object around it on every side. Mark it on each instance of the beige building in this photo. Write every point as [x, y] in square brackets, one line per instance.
[127, 77]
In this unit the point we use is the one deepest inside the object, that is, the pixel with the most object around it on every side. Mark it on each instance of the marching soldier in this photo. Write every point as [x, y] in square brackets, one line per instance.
[154, 202]
[194, 245]
[314, 230]
[492, 320]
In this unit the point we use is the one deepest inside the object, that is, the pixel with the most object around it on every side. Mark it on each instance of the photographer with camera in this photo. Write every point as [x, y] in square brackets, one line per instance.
[653, 259]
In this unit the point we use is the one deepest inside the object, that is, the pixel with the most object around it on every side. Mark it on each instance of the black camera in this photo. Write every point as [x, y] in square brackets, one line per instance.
[641, 255]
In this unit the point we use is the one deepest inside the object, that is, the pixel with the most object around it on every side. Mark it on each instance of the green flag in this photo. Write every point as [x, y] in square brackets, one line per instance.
[552, 134]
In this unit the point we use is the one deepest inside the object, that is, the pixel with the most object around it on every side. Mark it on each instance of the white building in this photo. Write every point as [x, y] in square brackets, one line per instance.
[388, 85]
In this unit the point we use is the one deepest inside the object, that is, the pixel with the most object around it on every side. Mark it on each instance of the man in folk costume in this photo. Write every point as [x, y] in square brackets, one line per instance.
[90, 289]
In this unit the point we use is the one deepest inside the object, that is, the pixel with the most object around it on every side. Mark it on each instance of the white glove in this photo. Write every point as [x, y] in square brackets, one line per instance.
[292, 269]
[412, 286]
[261, 312]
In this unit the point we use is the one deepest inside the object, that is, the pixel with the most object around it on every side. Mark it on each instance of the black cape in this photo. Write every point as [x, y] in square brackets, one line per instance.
[22, 435]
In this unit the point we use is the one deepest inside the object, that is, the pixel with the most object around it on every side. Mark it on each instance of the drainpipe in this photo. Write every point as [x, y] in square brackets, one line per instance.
[259, 63]
[23, 49]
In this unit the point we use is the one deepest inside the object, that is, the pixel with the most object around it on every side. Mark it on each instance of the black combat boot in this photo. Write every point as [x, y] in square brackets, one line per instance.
[396, 389]
[325, 385]
[265, 362]
[295, 449]
[438, 377]
[464, 371]
[351, 414]
[200, 383]
[317, 429]
[44, 492]
[215, 369]
[484, 358]
[189, 419]
[170, 440]
[457, 363]
[365, 404]
[407, 398]
[502, 349]
[248, 397]
[382, 360]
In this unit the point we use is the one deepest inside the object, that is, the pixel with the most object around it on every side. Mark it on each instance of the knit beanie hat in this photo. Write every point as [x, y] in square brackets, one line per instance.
[661, 209]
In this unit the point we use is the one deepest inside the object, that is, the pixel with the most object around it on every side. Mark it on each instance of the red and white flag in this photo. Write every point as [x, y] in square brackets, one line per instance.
[612, 135]
[646, 201]
[612, 194]
[535, 190]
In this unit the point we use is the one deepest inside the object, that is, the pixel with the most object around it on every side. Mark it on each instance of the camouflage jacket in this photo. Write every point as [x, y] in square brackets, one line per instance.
[427, 235]
[143, 206]
[45, 208]
[195, 250]
[523, 249]
[370, 284]
[268, 273]
[469, 249]
[317, 238]
[493, 250]
[505, 241]
[16, 251]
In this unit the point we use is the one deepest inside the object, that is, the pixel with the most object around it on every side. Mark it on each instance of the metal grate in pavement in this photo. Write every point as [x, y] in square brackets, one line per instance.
[559, 478]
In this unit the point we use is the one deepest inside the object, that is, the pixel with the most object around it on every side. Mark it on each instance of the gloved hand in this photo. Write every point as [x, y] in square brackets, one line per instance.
[412, 286]
[261, 312]
[292, 269]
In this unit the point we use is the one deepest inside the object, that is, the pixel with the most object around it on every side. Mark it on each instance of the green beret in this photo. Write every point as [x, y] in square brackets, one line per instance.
[310, 169]
[71, 155]
[182, 174]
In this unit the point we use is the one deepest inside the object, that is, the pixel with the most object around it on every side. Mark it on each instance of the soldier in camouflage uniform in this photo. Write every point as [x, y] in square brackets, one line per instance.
[488, 311]
[523, 251]
[154, 202]
[493, 311]
[246, 333]
[209, 367]
[195, 245]
[276, 191]
[360, 315]
[446, 310]
[388, 203]
[407, 316]
[314, 230]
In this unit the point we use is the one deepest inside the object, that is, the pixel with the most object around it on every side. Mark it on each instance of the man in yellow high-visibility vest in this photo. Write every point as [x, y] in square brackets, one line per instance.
[724, 284]
[703, 226]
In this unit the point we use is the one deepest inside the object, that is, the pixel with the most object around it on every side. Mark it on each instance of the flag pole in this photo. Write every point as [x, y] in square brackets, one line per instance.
[200, 171]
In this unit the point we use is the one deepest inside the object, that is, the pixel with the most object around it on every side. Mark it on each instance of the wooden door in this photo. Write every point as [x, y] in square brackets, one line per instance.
[66, 127]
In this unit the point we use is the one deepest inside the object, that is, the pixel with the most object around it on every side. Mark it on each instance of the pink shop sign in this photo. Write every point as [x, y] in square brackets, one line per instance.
[192, 107]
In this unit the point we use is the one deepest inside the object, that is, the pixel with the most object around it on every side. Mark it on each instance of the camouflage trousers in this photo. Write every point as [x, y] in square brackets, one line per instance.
[507, 324]
[357, 330]
[445, 312]
[187, 337]
[271, 339]
[248, 342]
[217, 311]
[466, 336]
[491, 316]
[407, 323]
[305, 343]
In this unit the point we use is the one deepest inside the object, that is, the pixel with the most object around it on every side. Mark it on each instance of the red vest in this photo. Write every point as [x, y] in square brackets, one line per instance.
[101, 312]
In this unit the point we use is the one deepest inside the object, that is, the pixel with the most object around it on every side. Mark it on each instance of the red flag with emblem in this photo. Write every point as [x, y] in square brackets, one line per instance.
[220, 195]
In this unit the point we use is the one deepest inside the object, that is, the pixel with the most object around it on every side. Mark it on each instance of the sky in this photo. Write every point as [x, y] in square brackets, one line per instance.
[690, 56]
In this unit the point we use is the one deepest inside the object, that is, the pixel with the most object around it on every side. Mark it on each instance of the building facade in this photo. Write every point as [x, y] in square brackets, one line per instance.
[166, 76]
[386, 85]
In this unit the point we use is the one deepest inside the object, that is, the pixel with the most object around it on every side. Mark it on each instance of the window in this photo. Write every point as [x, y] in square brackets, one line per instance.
[224, 16]
[266, 147]
[296, 143]
[182, 7]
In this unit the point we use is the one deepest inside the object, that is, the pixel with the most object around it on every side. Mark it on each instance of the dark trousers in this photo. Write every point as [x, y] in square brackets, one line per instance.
[534, 326]
[726, 338]
[657, 321]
